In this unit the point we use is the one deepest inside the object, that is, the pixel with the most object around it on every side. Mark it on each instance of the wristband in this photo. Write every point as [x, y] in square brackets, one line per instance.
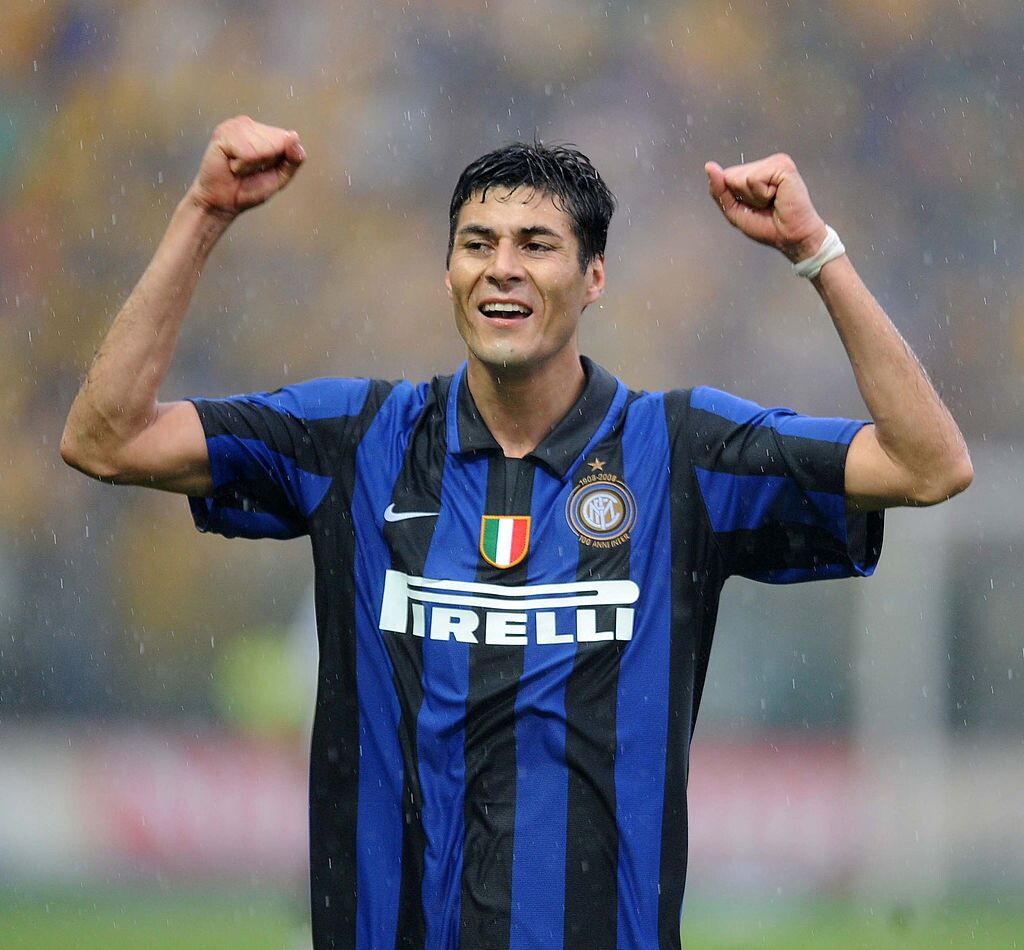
[830, 249]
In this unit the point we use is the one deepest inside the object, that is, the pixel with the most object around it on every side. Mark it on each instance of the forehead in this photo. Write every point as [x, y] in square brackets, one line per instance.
[512, 209]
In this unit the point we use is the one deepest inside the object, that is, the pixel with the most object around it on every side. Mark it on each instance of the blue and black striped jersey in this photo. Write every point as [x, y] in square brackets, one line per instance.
[512, 651]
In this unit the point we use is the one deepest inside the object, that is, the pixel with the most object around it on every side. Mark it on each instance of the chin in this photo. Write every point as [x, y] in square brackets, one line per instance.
[510, 363]
[509, 359]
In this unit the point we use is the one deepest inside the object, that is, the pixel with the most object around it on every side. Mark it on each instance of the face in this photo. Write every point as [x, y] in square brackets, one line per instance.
[515, 281]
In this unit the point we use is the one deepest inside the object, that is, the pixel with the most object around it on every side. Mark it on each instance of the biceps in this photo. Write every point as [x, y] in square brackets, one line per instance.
[169, 454]
[873, 479]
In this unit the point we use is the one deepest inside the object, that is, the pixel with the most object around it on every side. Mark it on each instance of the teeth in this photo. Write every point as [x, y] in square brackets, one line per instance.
[504, 308]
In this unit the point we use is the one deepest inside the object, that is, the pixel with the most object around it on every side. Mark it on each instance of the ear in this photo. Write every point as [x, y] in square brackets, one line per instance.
[448, 284]
[594, 279]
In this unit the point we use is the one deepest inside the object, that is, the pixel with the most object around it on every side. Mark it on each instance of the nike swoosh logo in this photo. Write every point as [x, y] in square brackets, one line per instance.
[391, 515]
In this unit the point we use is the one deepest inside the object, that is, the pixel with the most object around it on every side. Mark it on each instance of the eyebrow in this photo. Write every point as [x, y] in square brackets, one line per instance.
[537, 230]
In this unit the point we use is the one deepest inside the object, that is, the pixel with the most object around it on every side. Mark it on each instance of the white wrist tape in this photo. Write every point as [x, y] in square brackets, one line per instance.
[830, 249]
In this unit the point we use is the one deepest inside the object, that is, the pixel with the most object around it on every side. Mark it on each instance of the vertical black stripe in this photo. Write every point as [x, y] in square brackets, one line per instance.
[334, 755]
[592, 836]
[697, 577]
[490, 742]
[418, 488]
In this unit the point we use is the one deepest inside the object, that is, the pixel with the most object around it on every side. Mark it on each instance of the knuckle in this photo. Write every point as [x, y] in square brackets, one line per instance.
[230, 129]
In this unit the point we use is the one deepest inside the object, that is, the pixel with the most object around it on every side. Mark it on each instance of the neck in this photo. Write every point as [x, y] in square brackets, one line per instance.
[521, 409]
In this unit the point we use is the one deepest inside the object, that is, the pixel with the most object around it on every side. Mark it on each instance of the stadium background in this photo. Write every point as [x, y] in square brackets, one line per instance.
[858, 759]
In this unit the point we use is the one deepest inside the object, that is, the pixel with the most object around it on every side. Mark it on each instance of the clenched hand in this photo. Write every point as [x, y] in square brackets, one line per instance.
[245, 163]
[769, 202]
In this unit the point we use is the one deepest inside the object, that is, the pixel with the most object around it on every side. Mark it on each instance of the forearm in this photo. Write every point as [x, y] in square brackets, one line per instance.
[912, 425]
[119, 396]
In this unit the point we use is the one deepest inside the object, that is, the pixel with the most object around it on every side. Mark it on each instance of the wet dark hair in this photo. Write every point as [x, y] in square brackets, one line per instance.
[561, 171]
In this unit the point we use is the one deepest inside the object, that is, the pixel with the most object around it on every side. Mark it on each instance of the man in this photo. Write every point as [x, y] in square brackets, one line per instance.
[518, 566]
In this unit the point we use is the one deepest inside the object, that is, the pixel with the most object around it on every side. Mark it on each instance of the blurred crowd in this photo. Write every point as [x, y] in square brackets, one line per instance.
[904, 117]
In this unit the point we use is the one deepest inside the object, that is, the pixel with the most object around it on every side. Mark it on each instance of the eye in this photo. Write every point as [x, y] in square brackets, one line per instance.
[475, 246]
[536, 247]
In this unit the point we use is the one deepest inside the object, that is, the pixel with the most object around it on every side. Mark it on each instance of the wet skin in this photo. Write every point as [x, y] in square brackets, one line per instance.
[517, 249]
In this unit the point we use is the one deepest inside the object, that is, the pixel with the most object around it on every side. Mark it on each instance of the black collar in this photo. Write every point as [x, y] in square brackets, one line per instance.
[598, 406]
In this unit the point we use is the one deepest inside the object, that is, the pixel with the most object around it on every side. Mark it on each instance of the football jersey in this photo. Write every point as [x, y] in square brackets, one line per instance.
[512, 651]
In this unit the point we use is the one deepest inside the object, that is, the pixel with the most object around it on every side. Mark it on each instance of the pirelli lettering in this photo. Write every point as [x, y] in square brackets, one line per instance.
[492, 614]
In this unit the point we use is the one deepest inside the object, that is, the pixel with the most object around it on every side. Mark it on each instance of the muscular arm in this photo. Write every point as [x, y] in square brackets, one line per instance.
[914, 454]
[116, 429]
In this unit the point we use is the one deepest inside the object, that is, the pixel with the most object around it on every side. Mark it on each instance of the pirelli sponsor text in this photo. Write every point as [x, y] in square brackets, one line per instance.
[499, 615]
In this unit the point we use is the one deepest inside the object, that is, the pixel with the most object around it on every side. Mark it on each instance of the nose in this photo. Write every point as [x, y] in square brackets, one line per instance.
[505, 266]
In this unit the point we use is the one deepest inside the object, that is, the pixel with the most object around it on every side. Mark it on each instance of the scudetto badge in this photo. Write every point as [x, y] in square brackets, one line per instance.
[601, 510]
[504, 539]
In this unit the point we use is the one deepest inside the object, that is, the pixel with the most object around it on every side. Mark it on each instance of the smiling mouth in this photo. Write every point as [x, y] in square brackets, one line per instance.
[505, 311]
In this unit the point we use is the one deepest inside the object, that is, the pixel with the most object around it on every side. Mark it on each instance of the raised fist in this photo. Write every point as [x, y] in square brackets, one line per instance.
[244, 165]
[768, 201]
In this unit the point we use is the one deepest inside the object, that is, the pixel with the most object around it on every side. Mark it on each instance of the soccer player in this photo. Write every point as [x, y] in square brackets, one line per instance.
[517, 566]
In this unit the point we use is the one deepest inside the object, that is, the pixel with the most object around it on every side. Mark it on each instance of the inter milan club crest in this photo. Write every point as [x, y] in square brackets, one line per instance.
[601, 509]
[504, 539]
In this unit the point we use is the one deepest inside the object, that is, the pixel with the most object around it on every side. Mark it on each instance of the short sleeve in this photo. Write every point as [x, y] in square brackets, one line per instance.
[773, 485]
[271, 456]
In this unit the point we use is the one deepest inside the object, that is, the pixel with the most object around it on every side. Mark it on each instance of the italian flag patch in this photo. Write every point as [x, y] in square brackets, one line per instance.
[504, 539]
